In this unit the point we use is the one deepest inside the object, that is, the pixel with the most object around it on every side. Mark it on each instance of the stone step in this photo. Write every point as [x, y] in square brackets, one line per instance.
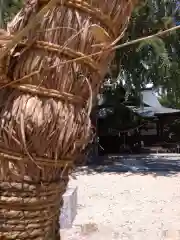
[69, 209]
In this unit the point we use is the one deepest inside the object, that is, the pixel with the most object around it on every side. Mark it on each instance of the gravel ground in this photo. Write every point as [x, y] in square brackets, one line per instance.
[126, 207]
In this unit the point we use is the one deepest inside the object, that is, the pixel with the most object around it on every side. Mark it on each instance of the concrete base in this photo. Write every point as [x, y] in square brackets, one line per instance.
[69, 209]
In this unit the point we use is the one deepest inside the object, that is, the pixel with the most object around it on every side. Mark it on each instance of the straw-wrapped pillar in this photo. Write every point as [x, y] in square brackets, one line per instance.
[52, 76]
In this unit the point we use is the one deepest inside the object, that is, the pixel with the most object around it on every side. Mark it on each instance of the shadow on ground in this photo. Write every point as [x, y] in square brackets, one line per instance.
[157, 165]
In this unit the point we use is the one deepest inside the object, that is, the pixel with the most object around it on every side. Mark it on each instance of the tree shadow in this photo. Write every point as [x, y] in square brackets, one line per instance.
[154, 164]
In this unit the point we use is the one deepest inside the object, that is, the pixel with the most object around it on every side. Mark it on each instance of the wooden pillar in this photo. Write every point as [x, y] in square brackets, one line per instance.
[161, 127]
[94, 121]
[157, 127]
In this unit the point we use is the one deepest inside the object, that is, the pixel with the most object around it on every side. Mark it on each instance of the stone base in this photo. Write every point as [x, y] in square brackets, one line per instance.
[69, 209]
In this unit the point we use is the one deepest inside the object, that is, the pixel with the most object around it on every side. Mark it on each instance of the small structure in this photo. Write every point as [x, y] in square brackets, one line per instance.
[150, 105]
[147, 127]
[151, 109]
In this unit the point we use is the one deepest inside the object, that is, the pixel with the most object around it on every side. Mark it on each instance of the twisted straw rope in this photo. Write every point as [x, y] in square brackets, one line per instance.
[49, 4]
[94, 12]
[40, 162]
[41, 91]
[29, 215]
[80, 5]
[50, 93]
[30, 207]
[70, 53]
[18, 203]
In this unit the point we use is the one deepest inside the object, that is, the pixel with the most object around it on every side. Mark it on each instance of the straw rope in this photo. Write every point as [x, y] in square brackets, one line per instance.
[50, 93]
[70, 53]
[41, 91]
[123, 45]
[80, 5]
[47, 132]
[96, 13]
[83, 6]
[40, 162]
[33, 23]
[31, 209]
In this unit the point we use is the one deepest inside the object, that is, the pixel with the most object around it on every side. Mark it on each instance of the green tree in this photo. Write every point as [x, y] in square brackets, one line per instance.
[148, 61]
[8, 8]
[154, 61]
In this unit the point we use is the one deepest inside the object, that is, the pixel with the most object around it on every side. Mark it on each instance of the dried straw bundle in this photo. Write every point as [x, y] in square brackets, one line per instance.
[44, 122]
[69, 31]
[38, 139]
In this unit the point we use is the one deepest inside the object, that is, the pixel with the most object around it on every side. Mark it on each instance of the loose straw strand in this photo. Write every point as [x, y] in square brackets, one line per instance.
[17, 38]
[110, 49]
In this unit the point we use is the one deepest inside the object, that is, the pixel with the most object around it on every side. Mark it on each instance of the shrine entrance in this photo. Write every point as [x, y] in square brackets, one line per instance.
[157, 130]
